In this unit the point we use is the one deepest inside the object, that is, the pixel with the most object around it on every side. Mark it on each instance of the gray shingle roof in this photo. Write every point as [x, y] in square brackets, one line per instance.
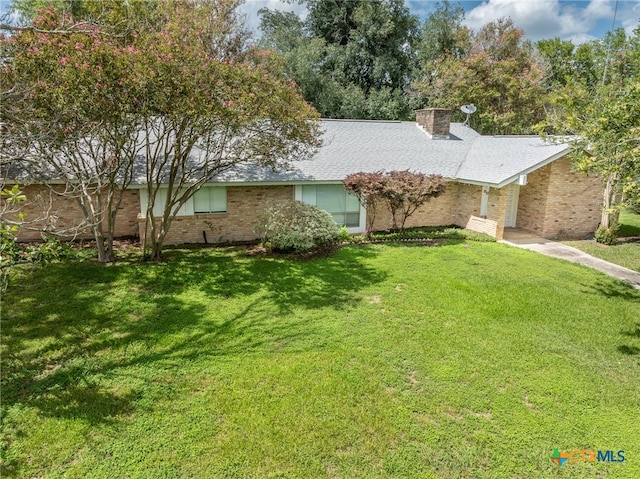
[350, 146]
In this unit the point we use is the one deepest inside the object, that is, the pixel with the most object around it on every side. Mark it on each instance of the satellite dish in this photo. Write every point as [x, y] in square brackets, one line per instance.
[469, 110]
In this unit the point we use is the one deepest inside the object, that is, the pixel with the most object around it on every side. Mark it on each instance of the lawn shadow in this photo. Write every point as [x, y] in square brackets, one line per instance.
[633, 333]
[629, 350]
[613, 288]
[64, 340]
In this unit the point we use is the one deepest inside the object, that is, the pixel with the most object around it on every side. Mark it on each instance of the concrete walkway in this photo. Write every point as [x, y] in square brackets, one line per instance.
[527, 240]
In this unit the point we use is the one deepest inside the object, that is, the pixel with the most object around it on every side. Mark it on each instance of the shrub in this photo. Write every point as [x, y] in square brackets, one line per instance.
[607, 236]
[293, 226]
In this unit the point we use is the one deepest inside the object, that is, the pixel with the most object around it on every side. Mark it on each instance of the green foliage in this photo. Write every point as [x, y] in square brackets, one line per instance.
[443, 34]
[350, 59]
[13, 253]
[594, 103]
[296, 226]
[498, 73]
[624, 253]
[344, 235]
[608, 236]
[454, 233]
[559, 57]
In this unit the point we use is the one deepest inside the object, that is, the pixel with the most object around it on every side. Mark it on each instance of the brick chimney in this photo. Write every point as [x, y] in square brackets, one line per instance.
[435, 121]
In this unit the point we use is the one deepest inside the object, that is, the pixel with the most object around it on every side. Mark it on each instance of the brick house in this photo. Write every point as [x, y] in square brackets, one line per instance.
[495, 182]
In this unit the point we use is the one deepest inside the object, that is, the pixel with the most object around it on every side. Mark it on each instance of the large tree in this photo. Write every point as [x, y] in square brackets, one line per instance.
[70, 115]
[176, 93]
[351, 59]
[498, 73]
[443, 33]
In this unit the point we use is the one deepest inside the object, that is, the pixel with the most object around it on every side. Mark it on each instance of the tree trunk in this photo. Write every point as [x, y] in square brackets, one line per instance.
[609, 213]
[370, 215]
[156, 250]
[104, 245]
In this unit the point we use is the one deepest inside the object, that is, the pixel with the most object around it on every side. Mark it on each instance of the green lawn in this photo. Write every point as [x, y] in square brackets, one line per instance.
[625, 254]
[469, 360]
[629, 223]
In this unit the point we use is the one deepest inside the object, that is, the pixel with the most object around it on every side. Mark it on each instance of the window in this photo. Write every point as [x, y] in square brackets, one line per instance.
[210, 199]
[160, 203]
[344, 207]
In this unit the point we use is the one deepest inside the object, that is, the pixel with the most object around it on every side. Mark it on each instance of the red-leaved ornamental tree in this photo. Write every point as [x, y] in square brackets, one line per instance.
[402, 191]
[407, 191]
[368, 188]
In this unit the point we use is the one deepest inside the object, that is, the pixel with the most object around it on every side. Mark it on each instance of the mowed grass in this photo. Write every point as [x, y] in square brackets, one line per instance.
[629, 223]
[469, 360]
[625, 254]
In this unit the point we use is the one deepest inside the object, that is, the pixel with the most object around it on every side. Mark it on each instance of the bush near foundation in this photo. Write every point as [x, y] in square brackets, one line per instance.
[293, 226]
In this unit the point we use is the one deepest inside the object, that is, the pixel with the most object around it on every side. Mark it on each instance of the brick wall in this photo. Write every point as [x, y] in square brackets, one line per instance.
[482, 225]
[468, 203]
[459, 205]
[532, 205]
[558, 202]
[47, 210]
[497, 208]
[437, 212]
[244, 203]
[574, 202]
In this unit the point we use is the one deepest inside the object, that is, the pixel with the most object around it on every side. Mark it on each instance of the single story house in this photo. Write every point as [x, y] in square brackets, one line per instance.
[495, 182]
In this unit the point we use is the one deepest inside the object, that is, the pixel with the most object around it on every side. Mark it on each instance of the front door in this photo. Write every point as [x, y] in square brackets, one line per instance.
[513, 193]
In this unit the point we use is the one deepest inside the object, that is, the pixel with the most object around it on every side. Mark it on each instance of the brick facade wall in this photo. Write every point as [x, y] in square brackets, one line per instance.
[244, 203]
[493, 223]
[47, 210]
[436, 212]
[558, 202]
[468, 203]
[532, 206]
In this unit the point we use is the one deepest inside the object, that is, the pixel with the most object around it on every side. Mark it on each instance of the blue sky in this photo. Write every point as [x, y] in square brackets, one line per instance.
[574, 20]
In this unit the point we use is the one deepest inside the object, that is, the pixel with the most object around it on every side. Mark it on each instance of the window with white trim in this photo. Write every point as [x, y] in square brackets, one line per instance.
[343, 206]
[210, 199]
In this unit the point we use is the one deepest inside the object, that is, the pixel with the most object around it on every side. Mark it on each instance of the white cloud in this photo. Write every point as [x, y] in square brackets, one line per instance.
[251, 7]
[551, 18]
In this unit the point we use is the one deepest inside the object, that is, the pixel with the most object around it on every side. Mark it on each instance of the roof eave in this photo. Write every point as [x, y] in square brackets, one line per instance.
[535, 167]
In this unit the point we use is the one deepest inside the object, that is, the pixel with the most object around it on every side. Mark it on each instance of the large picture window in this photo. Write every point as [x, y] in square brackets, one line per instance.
[344, 207]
